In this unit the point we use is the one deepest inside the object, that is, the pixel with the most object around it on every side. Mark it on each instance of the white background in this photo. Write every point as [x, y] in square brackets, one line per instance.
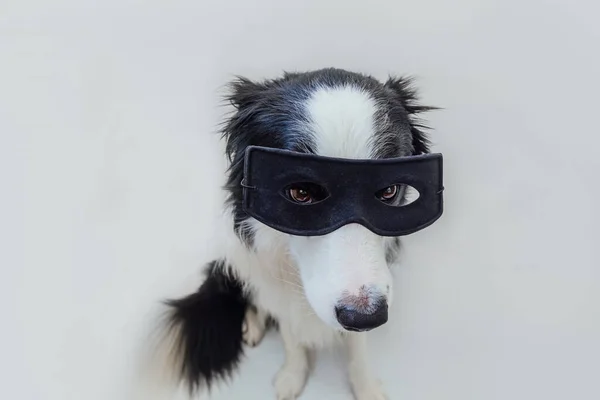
[110, 167]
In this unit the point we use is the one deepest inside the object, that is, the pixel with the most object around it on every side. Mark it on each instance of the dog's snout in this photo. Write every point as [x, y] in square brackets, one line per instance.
[362, 319]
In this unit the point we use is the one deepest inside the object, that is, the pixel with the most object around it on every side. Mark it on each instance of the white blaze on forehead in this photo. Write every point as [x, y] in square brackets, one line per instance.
[342, 121]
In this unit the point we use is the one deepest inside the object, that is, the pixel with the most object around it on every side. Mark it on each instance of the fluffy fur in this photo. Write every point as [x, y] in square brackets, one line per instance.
[306, 284]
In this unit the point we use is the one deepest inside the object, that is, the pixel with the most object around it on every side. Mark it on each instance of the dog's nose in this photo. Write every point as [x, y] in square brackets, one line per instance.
[362, 320]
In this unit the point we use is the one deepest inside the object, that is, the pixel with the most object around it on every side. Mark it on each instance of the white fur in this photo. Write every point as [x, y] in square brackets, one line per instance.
[342, 122]
[291, 377]
[299, 280]
[254, 326]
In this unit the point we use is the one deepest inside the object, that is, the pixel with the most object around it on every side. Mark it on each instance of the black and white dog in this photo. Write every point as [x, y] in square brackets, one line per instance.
[319, 290]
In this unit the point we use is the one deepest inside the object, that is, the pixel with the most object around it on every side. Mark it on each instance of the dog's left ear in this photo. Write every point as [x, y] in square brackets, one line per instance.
[403, 90]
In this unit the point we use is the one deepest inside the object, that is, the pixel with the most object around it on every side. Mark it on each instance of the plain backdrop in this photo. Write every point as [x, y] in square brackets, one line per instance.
[111, 166]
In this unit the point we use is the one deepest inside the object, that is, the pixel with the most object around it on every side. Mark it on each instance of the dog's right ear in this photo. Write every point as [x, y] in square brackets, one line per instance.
[246, 97]
[243, 92]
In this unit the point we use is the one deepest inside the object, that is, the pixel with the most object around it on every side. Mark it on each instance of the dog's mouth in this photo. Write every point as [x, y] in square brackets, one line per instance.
[352, 329]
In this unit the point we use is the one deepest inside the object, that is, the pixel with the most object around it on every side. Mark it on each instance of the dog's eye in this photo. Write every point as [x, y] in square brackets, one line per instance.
[388, 194]
[300, 195]
[306, 193]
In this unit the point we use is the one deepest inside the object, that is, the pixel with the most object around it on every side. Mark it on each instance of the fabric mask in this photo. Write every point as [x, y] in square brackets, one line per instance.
[310, 195]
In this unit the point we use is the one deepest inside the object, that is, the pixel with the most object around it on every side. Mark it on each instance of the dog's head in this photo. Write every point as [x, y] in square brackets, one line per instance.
[344, 274]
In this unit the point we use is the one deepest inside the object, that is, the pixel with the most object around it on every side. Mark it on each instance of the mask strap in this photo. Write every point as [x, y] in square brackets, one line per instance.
[245, 186]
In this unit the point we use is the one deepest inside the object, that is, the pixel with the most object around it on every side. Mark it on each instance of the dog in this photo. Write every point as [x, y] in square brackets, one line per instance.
[316, 290]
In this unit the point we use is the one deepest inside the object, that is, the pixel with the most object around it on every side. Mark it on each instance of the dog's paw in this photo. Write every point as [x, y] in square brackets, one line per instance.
[253, 328]
[369, 390]
[289, 382]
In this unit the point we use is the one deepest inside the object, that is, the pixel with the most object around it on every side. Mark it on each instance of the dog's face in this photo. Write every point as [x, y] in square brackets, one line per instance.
[345, 274]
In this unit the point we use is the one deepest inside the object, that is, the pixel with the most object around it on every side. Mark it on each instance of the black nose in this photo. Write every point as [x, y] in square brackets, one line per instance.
[356, 321]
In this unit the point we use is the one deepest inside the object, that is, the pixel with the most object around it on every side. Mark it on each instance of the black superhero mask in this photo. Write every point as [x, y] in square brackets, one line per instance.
[309, 195]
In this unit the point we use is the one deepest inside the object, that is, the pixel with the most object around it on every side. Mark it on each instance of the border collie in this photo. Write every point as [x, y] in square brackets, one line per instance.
[297, 282]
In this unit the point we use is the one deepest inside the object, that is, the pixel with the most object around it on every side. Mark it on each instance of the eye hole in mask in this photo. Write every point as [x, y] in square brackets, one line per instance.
[305, 193]
[398, 195]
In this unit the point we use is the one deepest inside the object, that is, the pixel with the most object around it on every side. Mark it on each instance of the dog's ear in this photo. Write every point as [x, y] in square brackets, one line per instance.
[243, 92]
[240, 130]
[244, 95]
[402, 89]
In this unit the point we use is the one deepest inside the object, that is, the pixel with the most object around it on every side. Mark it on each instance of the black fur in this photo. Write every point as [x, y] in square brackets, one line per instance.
[407, 95]
[208, 328]
[392, 251]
